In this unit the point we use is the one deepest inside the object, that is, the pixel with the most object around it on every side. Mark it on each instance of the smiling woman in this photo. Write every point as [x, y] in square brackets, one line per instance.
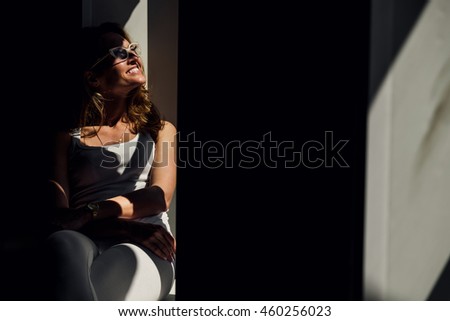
[113, 182]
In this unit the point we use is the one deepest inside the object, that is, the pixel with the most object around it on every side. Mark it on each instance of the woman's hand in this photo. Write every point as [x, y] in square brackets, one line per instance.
[154, 237]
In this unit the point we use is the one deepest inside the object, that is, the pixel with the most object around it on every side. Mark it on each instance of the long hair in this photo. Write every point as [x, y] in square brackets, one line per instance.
[141, 113]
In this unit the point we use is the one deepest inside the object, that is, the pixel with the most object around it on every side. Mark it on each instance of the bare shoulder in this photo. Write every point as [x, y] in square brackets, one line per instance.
[168, 131]
[169, 127]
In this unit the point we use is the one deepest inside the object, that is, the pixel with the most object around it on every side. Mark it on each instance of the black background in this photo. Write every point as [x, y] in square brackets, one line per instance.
[293, 69]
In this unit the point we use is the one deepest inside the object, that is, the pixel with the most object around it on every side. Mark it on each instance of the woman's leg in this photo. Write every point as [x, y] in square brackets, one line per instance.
[128, 272]
[70, 256]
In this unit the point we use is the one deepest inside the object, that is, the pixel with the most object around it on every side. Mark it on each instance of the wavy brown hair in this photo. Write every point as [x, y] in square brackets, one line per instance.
[141, 113]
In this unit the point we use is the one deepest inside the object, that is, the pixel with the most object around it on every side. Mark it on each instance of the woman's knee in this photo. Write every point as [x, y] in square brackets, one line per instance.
[69, 240]
[70, 250]
[128, 272]
[70, 255]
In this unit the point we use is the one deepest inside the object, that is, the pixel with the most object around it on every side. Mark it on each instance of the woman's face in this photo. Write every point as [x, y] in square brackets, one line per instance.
[123, 75]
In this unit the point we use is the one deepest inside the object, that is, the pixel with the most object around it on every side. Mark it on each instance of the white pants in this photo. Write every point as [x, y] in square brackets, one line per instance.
[121, 272]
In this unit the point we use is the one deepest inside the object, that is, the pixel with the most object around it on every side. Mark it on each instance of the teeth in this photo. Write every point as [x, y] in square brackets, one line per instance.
[133, 71]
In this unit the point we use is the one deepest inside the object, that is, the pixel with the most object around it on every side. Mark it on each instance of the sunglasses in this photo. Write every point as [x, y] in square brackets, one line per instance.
[121, 53]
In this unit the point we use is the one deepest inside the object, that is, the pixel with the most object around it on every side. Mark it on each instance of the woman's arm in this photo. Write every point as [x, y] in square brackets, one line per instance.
[157, 197]
[58, 180]
[59, 215]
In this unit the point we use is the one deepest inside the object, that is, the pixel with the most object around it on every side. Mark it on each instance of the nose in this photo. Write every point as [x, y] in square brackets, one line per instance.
[132, 58]
[132, 54]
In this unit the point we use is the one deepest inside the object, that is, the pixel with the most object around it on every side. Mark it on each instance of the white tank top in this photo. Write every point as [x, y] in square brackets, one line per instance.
[97, 173]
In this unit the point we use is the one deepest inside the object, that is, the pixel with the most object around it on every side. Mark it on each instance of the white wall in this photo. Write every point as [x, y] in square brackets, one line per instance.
[407, 239]
[163, 55]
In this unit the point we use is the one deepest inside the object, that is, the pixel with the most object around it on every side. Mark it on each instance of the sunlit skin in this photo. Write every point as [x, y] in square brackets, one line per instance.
[115, 85]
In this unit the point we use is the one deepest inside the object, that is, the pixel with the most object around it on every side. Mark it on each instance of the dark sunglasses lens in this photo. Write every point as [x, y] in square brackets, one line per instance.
[120, 53]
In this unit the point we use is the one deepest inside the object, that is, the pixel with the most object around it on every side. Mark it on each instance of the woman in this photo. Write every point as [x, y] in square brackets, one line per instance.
[113, 181]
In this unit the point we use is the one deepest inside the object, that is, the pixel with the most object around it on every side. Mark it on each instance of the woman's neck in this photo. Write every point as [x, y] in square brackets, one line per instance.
[115, 110]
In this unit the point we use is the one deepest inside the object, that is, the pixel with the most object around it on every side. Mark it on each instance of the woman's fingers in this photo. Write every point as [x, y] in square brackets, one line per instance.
[155, 238]
[156, 249]
[168, 239]
[162, 243]
[174, 245]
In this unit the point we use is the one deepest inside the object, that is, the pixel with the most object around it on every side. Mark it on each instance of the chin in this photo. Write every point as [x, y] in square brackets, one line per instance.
[137, 81]
[140, 80]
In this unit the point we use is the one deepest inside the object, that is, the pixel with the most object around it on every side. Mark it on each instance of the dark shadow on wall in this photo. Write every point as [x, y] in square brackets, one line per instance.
[392, 22]
[112, 10]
